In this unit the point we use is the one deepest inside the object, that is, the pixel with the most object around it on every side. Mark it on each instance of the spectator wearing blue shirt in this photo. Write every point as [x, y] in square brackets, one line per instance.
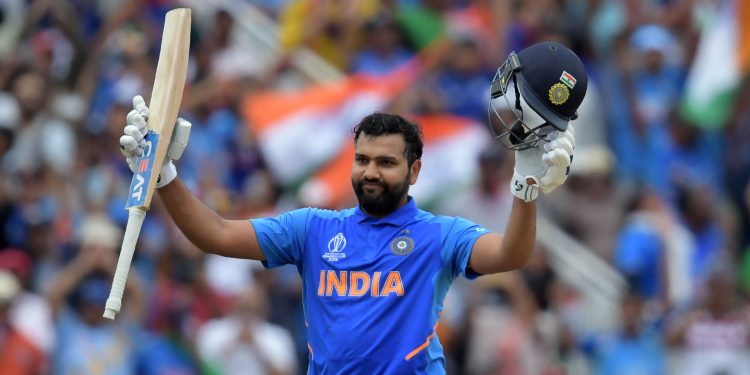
[461, 86]
[640, 250]
[641, 95]
[384, 49]
[76, 293]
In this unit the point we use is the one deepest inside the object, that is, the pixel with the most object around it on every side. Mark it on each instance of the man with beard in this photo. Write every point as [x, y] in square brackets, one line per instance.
[375, 276]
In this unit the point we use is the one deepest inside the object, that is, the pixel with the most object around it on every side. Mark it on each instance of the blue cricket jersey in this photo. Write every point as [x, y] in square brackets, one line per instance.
[373, 289]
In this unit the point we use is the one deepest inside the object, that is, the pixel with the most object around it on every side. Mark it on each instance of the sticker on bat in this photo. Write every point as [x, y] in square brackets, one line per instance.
[142, 173]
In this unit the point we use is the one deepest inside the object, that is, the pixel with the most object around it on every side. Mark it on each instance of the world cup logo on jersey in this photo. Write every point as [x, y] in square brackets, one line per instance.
[336, 248]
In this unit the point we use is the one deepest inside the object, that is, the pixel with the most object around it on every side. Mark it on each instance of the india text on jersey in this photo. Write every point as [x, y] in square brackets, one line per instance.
[359, 283]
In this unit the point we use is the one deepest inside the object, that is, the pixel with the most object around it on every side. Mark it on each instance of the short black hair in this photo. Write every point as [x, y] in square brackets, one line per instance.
[378, 124]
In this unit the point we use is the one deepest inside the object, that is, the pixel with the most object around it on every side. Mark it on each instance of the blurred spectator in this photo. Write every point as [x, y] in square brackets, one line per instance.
[643, 90]
[11, 26]
[636, 348]
[77, 293]
[10, 116]
[19, 354]
[31, 314]
[332, 28]
[654, 252]
[695, 154]
[41, 140]
[639, 252]
[715, 335]
[284, 289]
[593, 195]
[244, 342]
[504, 304]
[488, 201]
[698, 211]
[383, 49]
[461, 83]
[182, 300]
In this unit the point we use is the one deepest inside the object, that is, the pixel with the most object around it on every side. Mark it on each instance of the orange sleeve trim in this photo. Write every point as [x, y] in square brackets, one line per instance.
[424, 345]
[312, 355]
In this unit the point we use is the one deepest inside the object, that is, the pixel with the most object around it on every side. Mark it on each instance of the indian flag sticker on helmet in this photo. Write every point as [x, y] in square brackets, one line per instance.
[568, 79]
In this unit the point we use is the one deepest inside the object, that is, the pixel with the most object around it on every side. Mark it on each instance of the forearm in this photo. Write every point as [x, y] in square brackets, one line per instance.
[200, 224]
[493, 253]
[520, 234]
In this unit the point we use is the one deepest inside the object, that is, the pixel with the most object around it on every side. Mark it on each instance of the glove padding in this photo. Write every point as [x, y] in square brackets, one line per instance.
[132, 142]
[544, 167]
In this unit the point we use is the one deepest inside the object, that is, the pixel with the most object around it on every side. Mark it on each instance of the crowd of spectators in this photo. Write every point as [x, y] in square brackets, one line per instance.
[659, 197]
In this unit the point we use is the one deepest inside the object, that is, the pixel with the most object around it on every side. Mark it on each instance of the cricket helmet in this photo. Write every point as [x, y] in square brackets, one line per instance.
[547, 77]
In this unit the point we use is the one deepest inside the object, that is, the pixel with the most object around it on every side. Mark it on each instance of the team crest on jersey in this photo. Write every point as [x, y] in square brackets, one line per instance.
[402, 245]
[336, 248]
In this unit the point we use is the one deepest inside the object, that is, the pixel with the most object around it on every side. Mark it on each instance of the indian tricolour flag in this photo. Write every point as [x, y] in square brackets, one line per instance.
[721, 61]
[300, 131]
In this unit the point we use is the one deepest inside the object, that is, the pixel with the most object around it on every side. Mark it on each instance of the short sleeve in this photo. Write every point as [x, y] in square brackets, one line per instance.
[282, 238]
[458, 242]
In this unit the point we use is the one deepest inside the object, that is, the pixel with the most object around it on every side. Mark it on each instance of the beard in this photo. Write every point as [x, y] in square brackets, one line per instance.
[381, 203]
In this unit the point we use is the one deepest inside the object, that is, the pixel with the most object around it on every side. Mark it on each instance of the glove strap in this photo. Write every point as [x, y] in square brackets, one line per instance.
[167, 174]
[524, 188]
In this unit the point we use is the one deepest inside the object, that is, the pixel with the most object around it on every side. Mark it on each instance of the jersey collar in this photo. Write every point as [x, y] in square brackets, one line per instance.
[398, 218]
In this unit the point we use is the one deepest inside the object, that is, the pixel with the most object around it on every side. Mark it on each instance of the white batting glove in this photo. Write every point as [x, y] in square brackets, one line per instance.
[544, 167]
[132, 142]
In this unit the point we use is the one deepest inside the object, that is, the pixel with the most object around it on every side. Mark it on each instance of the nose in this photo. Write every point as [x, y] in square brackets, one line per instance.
[371, 172]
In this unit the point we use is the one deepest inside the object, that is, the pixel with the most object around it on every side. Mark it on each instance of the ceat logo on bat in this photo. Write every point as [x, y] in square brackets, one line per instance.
[143, 166]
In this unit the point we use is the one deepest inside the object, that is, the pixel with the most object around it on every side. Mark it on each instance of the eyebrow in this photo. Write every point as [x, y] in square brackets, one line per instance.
[382, 157]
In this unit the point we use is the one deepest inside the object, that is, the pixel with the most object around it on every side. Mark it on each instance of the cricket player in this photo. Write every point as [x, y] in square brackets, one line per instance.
[374, 276]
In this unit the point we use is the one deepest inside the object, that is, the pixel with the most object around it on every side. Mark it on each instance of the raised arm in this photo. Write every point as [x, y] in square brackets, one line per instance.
[200, 224]
[205, 228]
[544, 167]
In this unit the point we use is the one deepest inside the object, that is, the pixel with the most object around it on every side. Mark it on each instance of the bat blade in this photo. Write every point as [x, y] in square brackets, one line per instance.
[166, 96]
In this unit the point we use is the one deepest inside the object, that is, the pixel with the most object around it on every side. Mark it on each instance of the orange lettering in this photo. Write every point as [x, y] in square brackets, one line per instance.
[321, 283]
[335, 282]
[375, 284]
[393, 284]
[355, 289]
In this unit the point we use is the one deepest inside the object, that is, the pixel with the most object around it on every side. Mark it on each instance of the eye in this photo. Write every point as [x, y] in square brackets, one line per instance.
[360, 160]
[388, 163]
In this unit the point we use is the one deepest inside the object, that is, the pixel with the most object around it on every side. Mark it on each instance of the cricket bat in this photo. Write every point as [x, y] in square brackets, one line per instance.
[166, 95]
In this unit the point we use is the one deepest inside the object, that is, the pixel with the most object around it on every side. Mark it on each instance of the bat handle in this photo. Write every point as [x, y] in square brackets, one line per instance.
[136, 215]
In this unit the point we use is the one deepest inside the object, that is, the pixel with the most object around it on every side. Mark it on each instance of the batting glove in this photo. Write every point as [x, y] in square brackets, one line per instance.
[132, 142]
[544, 167]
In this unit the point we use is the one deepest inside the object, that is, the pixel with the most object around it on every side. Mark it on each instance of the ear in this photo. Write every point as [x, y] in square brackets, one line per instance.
[414, 169]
